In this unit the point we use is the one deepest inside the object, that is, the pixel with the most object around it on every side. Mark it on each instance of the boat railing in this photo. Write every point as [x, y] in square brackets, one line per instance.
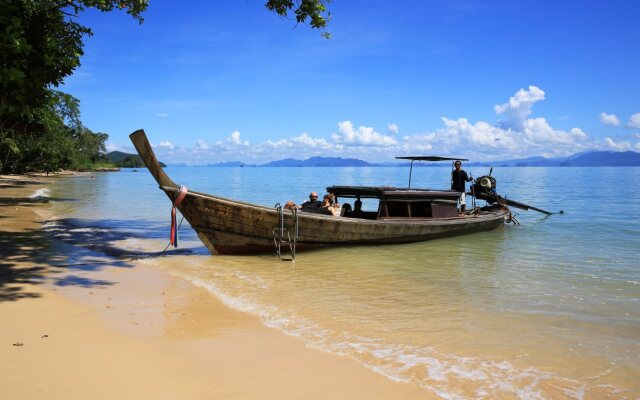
[282, 235]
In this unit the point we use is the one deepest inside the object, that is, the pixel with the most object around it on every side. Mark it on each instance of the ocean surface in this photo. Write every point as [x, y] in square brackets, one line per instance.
[546, 309]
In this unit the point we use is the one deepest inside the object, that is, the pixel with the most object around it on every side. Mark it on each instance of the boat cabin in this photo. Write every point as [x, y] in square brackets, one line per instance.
[398, 203]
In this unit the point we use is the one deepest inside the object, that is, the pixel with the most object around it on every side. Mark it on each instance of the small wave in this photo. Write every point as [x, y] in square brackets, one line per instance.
[40, 195]
[448, 376]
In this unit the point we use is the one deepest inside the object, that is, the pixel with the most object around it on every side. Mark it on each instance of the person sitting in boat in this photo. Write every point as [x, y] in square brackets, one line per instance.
[290, 205]
[329, 205]
[357, 209]
[313, 204]
[458, 179]
[345, 210]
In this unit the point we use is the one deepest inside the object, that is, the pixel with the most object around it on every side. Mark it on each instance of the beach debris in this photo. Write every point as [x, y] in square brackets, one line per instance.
[18, 344]
[44, 336]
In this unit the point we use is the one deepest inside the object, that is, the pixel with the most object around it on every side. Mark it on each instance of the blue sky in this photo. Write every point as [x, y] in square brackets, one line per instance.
[229, 80]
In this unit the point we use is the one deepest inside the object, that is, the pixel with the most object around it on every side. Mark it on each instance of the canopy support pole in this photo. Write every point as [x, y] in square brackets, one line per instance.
[410, 172]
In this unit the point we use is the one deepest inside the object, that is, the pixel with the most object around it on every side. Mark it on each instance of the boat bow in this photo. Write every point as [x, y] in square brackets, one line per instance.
[142, 145]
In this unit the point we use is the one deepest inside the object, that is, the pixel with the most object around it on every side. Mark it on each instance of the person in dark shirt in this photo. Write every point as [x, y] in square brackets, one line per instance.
[313, 205]
[458, 179]
[357, 208]
[329, 205]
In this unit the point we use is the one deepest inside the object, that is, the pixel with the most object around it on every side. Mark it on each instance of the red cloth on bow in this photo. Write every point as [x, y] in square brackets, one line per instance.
[173, 236]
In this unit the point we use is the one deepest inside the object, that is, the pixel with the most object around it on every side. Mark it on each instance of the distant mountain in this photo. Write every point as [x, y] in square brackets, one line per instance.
[521, 162]
[230, 164]
[584, 159]
[318, 162]
[605, 159]
[126, 160]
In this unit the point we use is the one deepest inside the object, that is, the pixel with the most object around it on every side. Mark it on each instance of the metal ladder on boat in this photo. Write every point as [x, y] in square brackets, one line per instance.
[282, 233]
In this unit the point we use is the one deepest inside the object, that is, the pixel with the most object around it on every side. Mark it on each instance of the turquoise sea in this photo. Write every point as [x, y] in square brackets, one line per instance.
[546, 309]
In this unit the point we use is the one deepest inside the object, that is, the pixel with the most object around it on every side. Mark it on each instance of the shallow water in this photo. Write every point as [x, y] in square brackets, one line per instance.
[547, 309]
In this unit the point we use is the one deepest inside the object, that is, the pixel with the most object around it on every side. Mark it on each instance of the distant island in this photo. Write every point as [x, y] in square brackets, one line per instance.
[585, 159]
[227, 164]
[126, 160]
[318, 162]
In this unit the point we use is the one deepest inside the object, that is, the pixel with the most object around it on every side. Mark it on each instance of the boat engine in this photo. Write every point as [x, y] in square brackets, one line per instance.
[484, 188]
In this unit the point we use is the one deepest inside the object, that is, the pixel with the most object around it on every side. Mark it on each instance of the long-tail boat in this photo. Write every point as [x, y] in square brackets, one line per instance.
[404, 215]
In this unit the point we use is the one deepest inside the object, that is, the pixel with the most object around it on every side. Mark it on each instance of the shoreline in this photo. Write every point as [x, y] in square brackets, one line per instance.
[137, 331]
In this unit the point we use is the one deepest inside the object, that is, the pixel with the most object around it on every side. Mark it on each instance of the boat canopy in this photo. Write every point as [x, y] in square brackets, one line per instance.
[391, 193]
[430, 158]
[365, 192]
[402, 202]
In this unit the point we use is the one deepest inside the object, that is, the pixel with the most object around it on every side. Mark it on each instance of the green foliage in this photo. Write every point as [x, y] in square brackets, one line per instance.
[131, 162]
[38, 49]
[57, 140]
[126, 160]
[313, 10]
[41, 43]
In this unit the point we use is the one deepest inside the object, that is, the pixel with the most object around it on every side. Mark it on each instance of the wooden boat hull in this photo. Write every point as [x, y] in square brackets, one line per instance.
[232, 227]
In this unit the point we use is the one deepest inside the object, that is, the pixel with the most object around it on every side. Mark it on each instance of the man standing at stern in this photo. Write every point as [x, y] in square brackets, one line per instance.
[458, 179]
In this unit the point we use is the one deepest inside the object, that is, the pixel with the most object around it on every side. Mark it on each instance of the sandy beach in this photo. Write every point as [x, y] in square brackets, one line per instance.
[138, 332]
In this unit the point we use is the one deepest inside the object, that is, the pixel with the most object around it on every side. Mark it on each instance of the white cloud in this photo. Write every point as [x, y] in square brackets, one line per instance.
[538, 131]
[462, 132]
[518, 108]
[519, 135]
[162, 115]
[482, 140]
[235, 139]
[634, 121]
[300, 142]
[610, 144]
[165, 145]
[232, 141]
[114, 147]
[201, 145]
[609, 119]
[363, 136]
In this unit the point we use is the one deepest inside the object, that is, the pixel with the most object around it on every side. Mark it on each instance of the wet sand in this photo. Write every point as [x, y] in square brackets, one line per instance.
[138, 332]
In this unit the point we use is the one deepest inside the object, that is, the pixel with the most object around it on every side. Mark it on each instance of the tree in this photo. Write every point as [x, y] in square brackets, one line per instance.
[41, 43]
[313, 10]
